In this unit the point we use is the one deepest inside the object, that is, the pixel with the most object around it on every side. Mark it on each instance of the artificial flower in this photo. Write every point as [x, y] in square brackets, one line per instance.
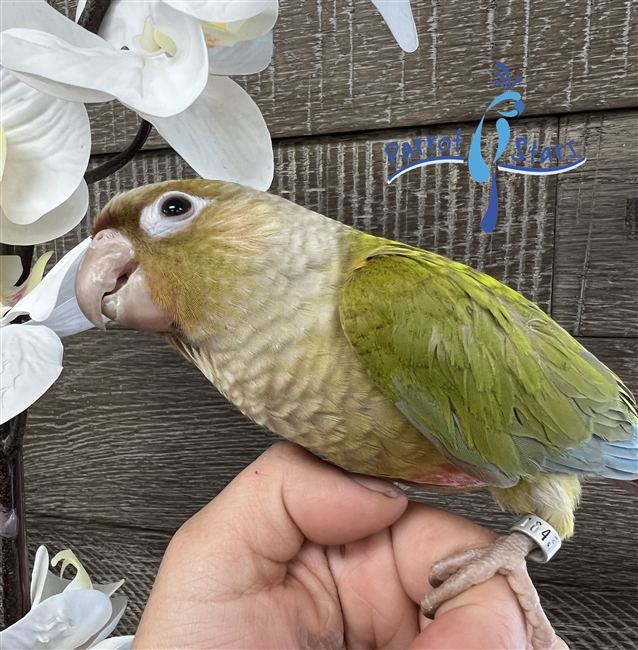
[10, 273]
[67, 613]
[55, 55]
[32, 351]
[398, 16]
[155, 56]
[45, 145]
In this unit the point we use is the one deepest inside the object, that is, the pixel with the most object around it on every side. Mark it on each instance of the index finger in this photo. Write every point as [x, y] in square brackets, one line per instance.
[486, 615]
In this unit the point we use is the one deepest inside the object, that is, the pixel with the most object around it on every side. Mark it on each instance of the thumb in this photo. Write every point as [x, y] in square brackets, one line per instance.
[242, 539]
[288, 495]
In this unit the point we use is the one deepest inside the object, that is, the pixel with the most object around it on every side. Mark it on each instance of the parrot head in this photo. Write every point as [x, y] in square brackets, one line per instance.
[161, 253]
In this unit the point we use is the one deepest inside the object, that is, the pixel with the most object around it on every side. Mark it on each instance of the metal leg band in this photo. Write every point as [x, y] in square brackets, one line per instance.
[546, 538]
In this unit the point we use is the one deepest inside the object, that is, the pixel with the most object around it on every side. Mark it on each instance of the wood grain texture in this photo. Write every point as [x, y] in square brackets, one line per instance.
[438, 207]
[109, 553]
[596, 265]
[337, 69]
[137, 435]
[620, 354]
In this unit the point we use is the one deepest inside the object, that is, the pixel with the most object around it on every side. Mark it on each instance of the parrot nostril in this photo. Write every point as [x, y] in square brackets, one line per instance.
[106, 236]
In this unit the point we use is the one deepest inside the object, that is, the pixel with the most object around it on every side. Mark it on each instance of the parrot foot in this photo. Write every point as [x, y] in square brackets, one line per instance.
[454, 575]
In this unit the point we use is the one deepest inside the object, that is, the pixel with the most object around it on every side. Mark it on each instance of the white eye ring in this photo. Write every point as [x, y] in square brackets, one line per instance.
[170, 213]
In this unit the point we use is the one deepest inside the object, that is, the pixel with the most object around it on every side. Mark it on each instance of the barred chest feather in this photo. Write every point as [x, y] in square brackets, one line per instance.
[284, 361]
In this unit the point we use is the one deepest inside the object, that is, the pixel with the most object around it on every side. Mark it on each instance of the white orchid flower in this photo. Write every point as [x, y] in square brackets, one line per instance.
[398, 16]
[32, 351]
[45, 145]
[168, 61]
[67, 613]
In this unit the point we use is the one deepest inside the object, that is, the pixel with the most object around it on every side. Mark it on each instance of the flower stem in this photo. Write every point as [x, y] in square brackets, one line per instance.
[93, 14]
[91, 19]
[117, 162]
[14, 560]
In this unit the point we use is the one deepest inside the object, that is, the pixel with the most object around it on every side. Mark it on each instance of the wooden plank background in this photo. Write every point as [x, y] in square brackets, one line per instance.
[596, 274]
[132, 440]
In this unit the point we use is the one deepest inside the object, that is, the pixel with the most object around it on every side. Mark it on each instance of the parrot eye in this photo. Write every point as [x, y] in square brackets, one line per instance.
[176, 206]
[170, 213]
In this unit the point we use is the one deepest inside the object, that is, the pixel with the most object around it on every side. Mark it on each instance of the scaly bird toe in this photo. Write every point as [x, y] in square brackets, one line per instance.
[444, 569]
[454, 575]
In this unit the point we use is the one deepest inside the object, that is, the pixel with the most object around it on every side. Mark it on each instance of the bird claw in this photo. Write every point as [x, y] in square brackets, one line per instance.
[457, 573]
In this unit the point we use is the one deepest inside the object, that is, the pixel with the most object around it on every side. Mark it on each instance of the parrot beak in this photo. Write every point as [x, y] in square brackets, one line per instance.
[110, 282]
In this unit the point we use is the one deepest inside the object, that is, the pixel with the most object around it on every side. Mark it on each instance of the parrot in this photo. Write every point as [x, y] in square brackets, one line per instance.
[381, 358]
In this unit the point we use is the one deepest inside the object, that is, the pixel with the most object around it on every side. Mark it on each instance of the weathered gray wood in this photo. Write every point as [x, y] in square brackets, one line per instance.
[591, 603]
[132, 432]
[620, 354]
[596, 264]
[137, 435]
[109, 553]
[336, 67]
[437, 207]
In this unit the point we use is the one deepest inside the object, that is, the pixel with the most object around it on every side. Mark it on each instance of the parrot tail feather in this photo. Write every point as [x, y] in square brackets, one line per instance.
[612, 459]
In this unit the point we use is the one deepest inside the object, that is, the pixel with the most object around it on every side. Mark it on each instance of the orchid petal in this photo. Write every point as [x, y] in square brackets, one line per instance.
[48, 149]
[31, 362]
[66, 288]
[39, 575]
[123, 22]
[115, 643]
[223, 135]
[262, 23]
[119, 605]
[110, 588]
[239, 30]
[81, 580]
[53, 224]
[223, 11]
[155, 84]
[35, 277]
[40, 15]
[53, 584]
[66, 320]
[10, 272]
[246, 57]
[37, 272]
[53, 290]
[216, 35]
[398, 16]
[67, 92]
[64, 621]
[3, 150]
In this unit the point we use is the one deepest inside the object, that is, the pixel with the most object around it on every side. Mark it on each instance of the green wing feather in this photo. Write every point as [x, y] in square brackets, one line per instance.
[479, 369]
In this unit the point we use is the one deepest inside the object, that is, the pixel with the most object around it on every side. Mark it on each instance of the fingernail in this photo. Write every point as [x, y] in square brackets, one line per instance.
[377, 485]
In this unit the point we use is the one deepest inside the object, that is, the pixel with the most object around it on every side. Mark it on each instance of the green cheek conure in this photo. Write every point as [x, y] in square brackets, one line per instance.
[382, 358]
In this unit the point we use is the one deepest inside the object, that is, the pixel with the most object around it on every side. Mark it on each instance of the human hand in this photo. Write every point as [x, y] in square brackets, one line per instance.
[294, 553]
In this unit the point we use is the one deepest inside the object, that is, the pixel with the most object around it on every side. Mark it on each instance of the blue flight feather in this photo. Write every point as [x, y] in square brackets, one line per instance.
[615, 459]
